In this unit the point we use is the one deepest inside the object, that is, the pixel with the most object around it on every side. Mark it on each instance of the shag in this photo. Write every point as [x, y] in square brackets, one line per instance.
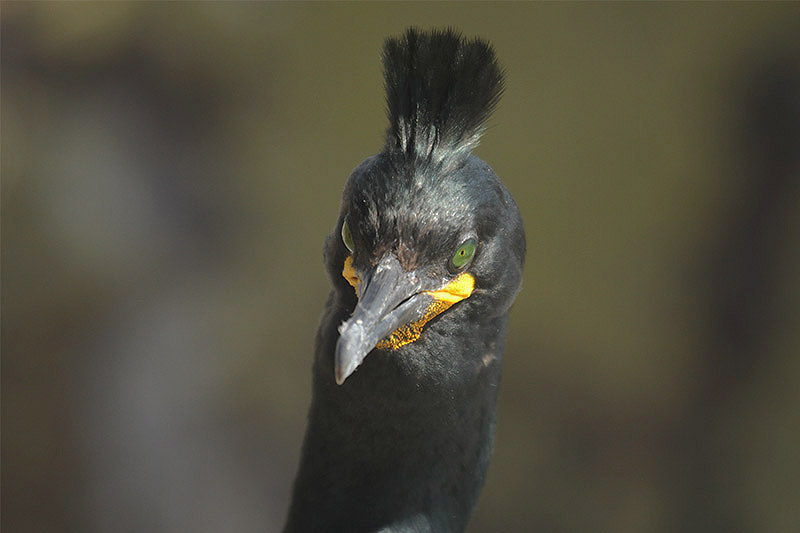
[425, 261]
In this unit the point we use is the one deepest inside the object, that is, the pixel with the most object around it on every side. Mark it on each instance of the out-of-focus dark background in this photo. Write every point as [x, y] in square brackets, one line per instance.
[169, 173]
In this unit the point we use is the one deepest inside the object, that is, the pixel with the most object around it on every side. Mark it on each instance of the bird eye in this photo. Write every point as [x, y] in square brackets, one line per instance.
[464, 254]
[347, 237]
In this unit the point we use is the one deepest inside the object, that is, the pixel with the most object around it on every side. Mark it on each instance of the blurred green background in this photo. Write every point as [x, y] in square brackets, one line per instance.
[169, 173]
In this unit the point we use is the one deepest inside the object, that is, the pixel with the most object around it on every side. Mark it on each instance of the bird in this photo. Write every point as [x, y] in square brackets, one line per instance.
[425, 261]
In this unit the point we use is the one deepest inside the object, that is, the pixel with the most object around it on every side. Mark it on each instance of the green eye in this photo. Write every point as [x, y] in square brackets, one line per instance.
[347, 237]
[463, 255]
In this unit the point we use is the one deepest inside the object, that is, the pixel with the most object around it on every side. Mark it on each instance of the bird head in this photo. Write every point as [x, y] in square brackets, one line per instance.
[425, 226]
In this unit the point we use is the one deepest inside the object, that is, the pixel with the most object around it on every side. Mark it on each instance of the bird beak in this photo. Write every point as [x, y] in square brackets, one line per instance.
[393, 307]
[389, 298]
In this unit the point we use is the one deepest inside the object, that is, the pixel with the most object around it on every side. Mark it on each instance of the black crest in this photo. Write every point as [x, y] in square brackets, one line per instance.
[440, 89]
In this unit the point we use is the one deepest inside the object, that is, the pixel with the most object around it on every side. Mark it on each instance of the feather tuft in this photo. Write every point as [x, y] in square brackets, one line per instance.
[440, 89]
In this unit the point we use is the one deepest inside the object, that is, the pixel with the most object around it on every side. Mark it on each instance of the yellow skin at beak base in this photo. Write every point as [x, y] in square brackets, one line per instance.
[460, 288]
[349, 273]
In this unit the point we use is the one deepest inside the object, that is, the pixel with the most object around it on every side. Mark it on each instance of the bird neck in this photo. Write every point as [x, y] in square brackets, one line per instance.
[390, 445]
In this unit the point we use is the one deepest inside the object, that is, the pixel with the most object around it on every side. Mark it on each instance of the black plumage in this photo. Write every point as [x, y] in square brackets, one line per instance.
[440, 90]
[425, 261]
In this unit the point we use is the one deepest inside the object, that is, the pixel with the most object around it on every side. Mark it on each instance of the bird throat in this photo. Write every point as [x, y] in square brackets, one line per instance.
[459, 288]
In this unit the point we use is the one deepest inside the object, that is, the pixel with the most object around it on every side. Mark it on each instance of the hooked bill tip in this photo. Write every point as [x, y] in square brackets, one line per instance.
[341, 376]
[344, 369]
[348, 351]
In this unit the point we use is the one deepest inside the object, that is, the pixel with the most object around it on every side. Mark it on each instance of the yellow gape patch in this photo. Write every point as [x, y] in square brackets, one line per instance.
[349, 273]
[455, 291]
